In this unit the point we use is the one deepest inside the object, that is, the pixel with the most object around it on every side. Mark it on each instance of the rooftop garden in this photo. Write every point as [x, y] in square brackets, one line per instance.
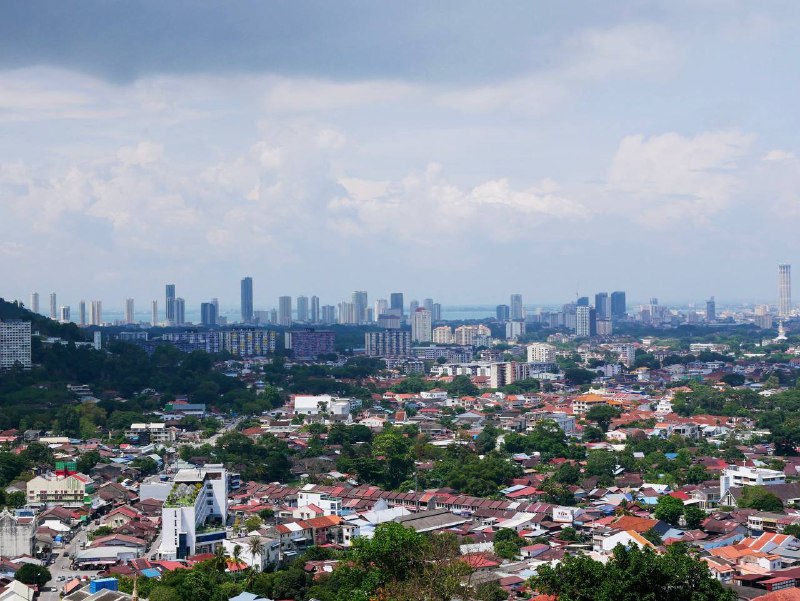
[183, 494]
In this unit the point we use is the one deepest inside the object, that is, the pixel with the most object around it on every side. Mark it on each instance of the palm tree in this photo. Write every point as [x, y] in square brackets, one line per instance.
[237, 553]
[256, 548]
[220, 561]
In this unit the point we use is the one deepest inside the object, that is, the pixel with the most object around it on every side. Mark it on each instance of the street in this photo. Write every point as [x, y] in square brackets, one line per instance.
[61, 567]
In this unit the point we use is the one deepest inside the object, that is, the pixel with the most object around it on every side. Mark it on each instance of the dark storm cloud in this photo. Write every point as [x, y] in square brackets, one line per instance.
[442, 41]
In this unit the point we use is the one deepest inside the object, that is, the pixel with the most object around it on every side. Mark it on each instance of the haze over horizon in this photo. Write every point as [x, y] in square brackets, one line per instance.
[454, 150]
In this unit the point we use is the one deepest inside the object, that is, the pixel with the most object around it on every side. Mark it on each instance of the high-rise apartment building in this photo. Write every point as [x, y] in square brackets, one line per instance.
[169, 308]
[396, 302]
[208, 314]
[35, 302]
[381, 307]
[180, 311]
[285, 310]
[310, 343]
[387, 343]
[784, 290]
[602, 305]
[443, 335]
[347, 313]
[129, 314]
[618, 304]
[427, 303]
[64, 314]
[421, 326]
[15, 344]
[711, 310]
[154, 313]
[53, 306]
[96, 313]
[302, 309]
[247, 299]
[539, 352]
[436, 312]
[82, 313]
[585, 321]
[314, 314]
[328, 314]
[516, 311]
[582, 301]
[503, 313]
[359, 299]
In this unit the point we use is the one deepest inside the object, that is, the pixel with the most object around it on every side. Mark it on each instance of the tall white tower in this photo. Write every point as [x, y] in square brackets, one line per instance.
[784, 289]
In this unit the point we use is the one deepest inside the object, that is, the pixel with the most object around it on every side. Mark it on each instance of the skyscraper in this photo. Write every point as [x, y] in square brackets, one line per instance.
[328, 314]
[15, 344]
[396, 302]
[502, 312]
[586, 321]
[711, 310]
[381, 307]
[602, 305]
[347, 313]
[516, 307]
[53, 307]
[208, 314]
[421, 326]
[170, 306]
[302, 308]
[413, 306]
[64, 314]
[436, 314]
[35, 302]
[154, 316]
[618, 304]
[583, 301]
[96, 313]
[285, 310]
[247, 299]
[359, 298]
[427, 303]
[784, 290]
[314, 309]
[82, 313]
[179, 306]
[129, 318]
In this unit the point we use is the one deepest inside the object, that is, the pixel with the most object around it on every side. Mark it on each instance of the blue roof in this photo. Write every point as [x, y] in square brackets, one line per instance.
[671, 455]
[151, 573]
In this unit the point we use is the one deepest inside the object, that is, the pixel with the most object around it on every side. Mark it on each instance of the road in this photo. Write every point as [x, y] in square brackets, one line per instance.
[61, 567]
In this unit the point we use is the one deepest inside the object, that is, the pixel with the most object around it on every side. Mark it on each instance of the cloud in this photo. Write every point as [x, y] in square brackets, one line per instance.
[667, 178]
[779, 156]
[144, 153]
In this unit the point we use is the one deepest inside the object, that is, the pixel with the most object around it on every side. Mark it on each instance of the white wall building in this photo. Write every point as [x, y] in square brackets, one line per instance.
[15, 344]
[305, 404]
[738, 476]
[539, 352]
[195, 513]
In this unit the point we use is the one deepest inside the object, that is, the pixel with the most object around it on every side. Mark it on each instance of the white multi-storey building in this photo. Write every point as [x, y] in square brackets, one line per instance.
[739, 476]
[443, 335]
[195, 513]
[539, 352]
[15, 344]
[421, 326]
[305, 404]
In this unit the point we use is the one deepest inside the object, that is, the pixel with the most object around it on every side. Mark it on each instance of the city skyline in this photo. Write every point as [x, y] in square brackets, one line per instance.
[661, 135]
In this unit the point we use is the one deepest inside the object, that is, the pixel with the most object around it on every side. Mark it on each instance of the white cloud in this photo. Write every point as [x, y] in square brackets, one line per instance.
[669, 177]
[144, 153]
[779, 156]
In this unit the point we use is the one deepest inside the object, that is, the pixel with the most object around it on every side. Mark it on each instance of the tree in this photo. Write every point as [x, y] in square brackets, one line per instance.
[256, 548]
[602, 415]
[577, 376]
[394, 550]
[462, 386]
[507, 543]
[30, 573]
[759, 497]
[792, 530]
[632, 573]
[693, 516]
[86, 461]
[16, 499]
[733, 379]
[603, 465]
[252, 523]
[669, 509]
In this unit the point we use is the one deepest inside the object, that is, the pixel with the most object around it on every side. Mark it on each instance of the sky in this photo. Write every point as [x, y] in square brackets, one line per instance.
[458, 150]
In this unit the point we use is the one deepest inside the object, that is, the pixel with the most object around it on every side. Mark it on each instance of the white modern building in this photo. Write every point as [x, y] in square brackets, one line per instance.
[195, 513]
[15, 344]
[305, 404]
[156, 432]
[738, 476]
[421, 326]
[327, 504]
